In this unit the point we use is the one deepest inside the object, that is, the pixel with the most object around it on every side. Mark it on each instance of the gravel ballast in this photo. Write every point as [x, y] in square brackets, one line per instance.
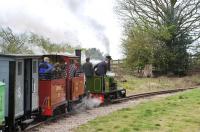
[82, 116]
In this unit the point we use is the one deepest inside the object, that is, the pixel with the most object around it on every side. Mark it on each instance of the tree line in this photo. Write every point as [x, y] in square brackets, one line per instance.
[13, 43]
[164, 33]
[21, 43]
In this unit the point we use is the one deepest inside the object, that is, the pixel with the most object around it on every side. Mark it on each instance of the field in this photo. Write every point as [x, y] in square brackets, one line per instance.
[140, 85]
[177, 113]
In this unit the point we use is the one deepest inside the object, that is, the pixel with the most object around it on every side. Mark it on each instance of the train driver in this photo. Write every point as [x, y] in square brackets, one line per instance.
[102, 67]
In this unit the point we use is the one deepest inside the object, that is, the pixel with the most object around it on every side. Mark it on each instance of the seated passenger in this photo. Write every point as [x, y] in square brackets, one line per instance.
[57, 71]
[74, 68]
[45, 67]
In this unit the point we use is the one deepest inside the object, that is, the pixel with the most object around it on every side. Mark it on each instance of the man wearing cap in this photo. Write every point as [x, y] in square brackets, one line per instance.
[102, 67]
[88, 68]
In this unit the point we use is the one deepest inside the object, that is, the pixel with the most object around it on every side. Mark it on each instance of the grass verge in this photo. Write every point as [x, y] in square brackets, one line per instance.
[141, 85]
[179, 113]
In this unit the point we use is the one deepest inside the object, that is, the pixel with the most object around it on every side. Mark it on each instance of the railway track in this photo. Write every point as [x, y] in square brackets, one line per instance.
[131, 97]
[48, 120]
[149, 94]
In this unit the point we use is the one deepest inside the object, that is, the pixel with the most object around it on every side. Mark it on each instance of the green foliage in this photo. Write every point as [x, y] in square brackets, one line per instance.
[11, 43]
[94, 53]
[138, 48]
[151, 46]
[163, 33]
[170, 24]
[49, 46]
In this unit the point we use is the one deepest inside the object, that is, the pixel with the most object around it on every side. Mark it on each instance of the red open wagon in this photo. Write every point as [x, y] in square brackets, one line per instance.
[58, 89]
[52, 94]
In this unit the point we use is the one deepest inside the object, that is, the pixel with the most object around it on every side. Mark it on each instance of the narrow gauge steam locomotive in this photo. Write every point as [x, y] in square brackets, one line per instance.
[104, 87]
[25, 94]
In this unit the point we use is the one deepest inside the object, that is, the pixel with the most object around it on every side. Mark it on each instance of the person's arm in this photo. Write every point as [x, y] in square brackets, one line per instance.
[91, 66]
[106, 68]
[94, 69]
[50, 67]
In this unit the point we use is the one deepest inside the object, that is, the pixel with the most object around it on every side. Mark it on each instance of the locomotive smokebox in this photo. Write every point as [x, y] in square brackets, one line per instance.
[108, 57]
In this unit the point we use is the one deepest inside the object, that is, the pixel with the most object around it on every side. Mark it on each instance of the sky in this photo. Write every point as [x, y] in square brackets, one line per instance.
[89, 23]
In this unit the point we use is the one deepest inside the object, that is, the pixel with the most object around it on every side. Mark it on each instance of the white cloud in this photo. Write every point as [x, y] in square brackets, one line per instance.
[85, 22]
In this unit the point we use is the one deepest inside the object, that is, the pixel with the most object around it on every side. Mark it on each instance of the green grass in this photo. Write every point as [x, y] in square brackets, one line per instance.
[179, 113]
[140, 85]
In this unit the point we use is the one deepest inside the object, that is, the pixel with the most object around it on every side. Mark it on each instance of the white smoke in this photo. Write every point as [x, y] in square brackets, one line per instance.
[87, 103]
[89, 23]
[92, 102]
[36, 49]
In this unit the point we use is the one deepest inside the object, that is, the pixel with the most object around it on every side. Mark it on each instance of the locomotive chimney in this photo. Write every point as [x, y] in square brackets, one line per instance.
[108, 57]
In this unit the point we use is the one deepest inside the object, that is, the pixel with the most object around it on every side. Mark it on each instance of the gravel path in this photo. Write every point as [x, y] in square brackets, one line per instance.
[66, 124]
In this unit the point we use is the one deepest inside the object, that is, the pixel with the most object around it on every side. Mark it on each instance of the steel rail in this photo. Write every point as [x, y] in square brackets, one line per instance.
[149, 94]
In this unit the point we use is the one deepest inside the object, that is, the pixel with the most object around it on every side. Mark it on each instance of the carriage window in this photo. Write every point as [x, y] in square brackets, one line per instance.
[34, 67]
[19, 68]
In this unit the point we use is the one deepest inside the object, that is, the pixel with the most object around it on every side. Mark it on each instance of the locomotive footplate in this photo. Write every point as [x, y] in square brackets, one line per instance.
[115, 94]
[106, 97]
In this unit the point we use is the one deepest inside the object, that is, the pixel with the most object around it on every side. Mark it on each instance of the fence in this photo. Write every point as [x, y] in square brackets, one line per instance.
[117, 68]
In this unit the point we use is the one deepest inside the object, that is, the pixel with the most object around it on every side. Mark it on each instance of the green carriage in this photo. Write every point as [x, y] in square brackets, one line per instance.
[2, 104]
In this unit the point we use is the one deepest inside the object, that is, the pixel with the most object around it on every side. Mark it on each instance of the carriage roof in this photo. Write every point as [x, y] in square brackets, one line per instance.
[35, 56]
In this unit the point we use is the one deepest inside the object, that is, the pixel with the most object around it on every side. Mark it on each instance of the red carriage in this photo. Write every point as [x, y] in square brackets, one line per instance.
[58, 91]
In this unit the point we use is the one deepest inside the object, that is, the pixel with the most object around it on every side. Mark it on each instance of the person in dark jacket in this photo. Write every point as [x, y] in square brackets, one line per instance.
[101, 68]
[88, 68]
[45, 67]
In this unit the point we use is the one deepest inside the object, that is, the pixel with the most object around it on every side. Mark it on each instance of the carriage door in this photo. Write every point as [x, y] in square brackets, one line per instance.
[35, 76]
[4, 77]
[27, 86]
[19, 91]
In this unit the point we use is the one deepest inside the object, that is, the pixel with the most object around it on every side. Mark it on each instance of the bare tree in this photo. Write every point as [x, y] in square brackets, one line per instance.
[174, 23]
[183, 14]
[11, 43]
